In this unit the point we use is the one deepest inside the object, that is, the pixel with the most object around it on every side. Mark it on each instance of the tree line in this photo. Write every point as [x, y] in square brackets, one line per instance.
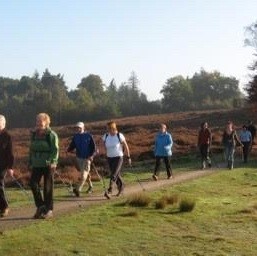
[21, 99]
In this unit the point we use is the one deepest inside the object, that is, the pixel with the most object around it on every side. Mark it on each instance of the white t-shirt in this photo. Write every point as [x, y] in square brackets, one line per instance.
[113, 145]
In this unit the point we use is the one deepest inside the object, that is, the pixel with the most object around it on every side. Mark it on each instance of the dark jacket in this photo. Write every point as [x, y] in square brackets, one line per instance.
[84, 145]
[230, 140]
[6, 152]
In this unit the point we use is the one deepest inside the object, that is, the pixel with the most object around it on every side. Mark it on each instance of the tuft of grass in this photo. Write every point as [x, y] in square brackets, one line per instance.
[139, 200]
[186, 205]
[160, 204]
[171, 199]
[129, 214]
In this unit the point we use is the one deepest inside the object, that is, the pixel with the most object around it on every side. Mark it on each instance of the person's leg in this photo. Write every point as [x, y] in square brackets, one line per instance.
[48, 189]
[88, 180]
[117, 174]
[203, 155]
[3, 200]
[167, 161]
[246, 151]
[157, 167]
[35, 178]
[231, 152]
[111, 163]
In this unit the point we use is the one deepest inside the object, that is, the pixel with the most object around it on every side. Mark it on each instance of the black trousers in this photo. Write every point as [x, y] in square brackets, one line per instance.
[3, 200]
[166, 160]
[205, 152]
[115, 165]
[246, 150]
[47, 198]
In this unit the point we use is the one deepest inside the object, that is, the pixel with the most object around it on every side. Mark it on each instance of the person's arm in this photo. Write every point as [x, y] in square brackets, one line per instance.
[237, 139]
[127, 151]
[71, 146]
[54, 154]
[92, 148]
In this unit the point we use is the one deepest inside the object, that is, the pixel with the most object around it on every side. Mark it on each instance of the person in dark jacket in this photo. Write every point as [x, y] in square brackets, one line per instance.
[84, 145]
[204, 144]
[6, 164]
[162, 150]
[43, 158]
[229, 141]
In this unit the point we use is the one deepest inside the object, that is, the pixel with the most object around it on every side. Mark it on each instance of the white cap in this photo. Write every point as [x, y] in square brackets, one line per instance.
[80, 125]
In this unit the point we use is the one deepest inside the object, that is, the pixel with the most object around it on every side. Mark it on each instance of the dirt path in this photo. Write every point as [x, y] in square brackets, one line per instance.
[23, 216]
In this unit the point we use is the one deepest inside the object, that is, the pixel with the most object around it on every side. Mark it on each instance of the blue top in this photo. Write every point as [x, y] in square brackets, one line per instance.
[84, 145]
[245, 136]
[163, 144]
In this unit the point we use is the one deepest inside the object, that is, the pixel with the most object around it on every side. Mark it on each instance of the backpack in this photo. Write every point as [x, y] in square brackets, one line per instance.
[106, 135]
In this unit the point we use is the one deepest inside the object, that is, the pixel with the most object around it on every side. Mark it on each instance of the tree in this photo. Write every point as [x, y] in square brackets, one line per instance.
[251, 40]
[177, 93]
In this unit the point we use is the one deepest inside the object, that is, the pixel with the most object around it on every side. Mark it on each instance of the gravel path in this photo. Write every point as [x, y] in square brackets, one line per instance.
[23, 216]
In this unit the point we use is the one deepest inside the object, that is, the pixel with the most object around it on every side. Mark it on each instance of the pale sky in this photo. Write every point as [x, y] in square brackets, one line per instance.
[157, 39]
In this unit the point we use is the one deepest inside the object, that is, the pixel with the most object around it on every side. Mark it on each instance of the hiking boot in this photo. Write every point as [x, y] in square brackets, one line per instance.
[76, 192]
[120, 190]
[89, 190]
[155, 177]
[4, 213]
[169, 177]
[39, 212]
[48, 215]
[106, 195]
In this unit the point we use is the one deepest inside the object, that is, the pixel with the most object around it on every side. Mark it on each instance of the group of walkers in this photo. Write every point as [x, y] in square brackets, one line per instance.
[44, 154]
[230, 139]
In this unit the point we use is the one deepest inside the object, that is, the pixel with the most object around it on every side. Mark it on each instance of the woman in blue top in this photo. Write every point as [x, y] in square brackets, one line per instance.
[246, 139]
[162, 150]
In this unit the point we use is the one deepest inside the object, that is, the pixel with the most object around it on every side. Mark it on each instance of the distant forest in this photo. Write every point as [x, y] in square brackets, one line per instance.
[21, 99]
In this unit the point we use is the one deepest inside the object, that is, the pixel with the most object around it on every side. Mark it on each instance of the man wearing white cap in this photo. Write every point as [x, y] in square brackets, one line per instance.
[84, 145]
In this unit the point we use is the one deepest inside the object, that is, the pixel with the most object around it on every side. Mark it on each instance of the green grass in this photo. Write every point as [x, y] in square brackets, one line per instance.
[223, 222]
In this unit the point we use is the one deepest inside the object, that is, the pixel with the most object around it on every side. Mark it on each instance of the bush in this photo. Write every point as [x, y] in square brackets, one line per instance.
[161, 204]
[186, 205]
[139, 200]
[171, 199]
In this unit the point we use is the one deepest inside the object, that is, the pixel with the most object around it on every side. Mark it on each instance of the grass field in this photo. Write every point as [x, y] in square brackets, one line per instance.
[223, 222]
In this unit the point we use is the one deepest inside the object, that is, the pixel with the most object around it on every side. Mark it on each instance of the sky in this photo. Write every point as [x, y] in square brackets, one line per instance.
[157, 39]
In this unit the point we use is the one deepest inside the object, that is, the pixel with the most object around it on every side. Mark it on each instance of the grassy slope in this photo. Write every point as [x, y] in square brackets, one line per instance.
[222, 223]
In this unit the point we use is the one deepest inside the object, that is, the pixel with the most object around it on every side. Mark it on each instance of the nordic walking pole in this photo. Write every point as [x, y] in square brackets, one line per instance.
[103, 182]
[21, 187]
[69, 186]
[137, 179]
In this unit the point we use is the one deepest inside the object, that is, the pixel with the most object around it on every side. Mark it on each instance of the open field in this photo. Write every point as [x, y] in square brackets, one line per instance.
[223, 222]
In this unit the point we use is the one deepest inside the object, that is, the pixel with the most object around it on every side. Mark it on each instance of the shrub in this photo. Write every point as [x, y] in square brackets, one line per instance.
[161, 204]
[171, 199]
[139, 200]
[186, 205]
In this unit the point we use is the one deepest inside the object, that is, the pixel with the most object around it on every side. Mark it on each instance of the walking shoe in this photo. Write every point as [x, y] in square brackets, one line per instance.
[39, 212]
[4, 213]
[209, 165]
[109, 190]
[89, 190]
[169, 176]
[120, 190]
[106, 195]
[76, 192]
[49, 215]
[155, 177]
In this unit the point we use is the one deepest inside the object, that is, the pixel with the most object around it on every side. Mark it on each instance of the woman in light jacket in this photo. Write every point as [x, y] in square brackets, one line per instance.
[162, 150]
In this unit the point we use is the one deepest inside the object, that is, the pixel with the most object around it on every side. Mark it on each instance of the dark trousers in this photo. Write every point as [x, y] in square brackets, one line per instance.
[47, 198]
[3, 200]
[115, 165]
[205, 153]
[246, 150]
[166, 160]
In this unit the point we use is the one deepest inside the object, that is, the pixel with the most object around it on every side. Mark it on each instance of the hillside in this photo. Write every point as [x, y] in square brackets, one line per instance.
[140, 132]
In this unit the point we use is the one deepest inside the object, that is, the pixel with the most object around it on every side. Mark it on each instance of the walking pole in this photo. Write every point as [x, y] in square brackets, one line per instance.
[21, 187]
[137, 179]
[69, 186]
[102, 179]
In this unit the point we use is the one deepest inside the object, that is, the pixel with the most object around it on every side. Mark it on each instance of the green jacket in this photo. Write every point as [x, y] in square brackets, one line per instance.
[44, 151]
